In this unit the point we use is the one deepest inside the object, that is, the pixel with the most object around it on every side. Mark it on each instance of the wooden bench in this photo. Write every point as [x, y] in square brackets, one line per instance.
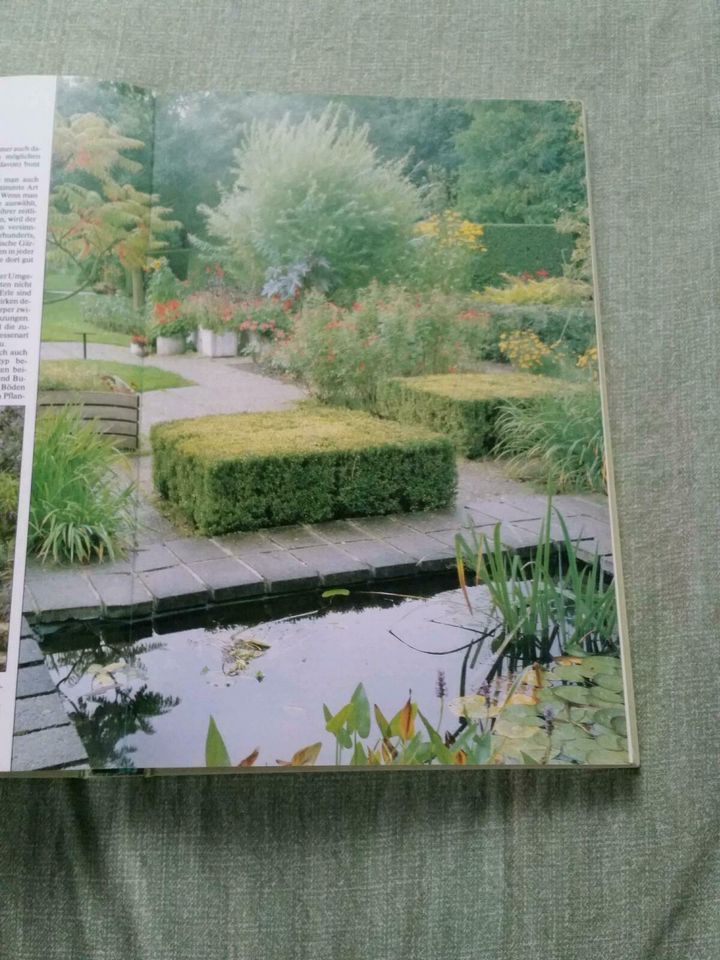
[116, 415]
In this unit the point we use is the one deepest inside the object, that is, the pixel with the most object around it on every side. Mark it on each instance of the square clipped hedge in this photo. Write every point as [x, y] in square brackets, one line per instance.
[251, 470]
[462, 406]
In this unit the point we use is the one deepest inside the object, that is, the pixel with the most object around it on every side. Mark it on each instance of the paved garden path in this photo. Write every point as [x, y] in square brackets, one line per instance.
[221, 385]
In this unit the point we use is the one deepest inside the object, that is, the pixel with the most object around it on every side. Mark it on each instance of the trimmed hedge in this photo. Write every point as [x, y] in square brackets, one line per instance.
[462, 406]
[252, 470]
[519, 247]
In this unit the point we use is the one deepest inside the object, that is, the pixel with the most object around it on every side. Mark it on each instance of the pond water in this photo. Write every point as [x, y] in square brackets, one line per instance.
[142, 694]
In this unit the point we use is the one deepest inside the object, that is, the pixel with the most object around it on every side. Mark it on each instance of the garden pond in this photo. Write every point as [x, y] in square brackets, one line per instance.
[292, 679]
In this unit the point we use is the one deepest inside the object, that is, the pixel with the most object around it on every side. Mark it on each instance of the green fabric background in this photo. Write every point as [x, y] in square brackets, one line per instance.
[478, 864]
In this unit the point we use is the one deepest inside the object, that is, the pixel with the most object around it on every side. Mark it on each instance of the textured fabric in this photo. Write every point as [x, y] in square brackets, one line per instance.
[430, 865]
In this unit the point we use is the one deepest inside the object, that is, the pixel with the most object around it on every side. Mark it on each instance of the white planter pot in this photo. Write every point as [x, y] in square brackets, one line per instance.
[138, 349]
[212, 344]
[169, 346]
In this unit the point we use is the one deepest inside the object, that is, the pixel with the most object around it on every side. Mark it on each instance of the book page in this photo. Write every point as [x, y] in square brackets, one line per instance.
[321, 466]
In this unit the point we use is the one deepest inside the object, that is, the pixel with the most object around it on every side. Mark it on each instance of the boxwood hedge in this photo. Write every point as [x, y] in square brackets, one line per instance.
[463, 406]
[253, 470]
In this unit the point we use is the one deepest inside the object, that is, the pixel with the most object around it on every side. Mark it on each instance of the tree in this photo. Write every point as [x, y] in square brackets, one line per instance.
[314, 205]
[522, 162]
[95, 212]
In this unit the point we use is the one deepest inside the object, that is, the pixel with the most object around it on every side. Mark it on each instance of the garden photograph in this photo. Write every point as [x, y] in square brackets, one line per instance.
[319, 471]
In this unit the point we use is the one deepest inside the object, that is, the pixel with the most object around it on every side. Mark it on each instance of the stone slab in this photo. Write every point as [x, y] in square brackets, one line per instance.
[228, 579]
[30, 652]
[52, 748]
[155, 557]
[242, 543]
[281, 571]
[193, 549]
[65, 596]
[490, 511]
[339, 531]
[429, 553]
[34, 681]
[385, 560]
[122, 594]
[175, 588]
[334, 566]
[436, 520]
[37, 713]
[290, 538]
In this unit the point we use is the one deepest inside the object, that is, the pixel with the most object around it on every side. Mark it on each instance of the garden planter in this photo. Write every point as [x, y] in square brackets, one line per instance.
[169, 346]
[138, 349]
[212, 344]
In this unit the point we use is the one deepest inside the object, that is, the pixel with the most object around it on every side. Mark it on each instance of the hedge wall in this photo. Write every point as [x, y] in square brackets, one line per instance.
[519, 247]
[247, 471]
[462, 406]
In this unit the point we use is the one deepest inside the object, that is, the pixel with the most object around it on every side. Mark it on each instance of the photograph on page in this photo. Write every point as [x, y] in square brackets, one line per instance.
[320, 470]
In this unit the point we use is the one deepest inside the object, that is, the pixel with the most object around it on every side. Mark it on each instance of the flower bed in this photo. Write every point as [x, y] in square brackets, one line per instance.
[465, 406]
[247, 471]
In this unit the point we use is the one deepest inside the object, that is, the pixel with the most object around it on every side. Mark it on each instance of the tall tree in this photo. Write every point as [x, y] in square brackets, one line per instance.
[95, 211]
[521, 162]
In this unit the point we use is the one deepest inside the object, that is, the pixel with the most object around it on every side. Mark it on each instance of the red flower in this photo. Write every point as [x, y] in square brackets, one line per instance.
[542, 272]
[356, 307]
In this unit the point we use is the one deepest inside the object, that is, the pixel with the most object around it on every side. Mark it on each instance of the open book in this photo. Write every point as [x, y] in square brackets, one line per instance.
[301, 436]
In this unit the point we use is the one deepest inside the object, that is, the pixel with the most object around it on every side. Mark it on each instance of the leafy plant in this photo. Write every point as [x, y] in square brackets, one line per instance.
[114, 312]
[316, 191]
[539, 289]
[552, 601]
[558, 440]
[79, 508]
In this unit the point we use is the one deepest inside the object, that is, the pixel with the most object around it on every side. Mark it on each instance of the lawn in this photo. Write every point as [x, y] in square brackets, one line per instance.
[95, 374]
[63, 321]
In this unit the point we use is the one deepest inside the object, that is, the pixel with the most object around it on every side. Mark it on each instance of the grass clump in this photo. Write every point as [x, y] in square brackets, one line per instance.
[463, 406]
[100, 376]
[247, 471]
[79, 509]
[557, 441]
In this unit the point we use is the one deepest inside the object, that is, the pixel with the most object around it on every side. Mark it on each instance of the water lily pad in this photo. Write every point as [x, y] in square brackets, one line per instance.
[619, 725]
[604, 695]
[474, 707]
[516, 731]
[609, 741]
[574, 673]
[609, 681]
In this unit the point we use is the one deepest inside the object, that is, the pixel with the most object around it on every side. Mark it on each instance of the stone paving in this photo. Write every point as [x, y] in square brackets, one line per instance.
[178, 572]
[44, 736]
[223, 385]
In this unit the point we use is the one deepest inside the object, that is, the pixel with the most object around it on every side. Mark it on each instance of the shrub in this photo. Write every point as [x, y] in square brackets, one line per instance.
[9, 489]
[246, 471]
[463, 407]
[312, 200]
[114, 312]
[210, 310]
[573, 327]
[79, 510]
[343, 354]
[539, 288]
[445, 253]
[162, 283]
[559, 439]
[517, 248]
[11, 436]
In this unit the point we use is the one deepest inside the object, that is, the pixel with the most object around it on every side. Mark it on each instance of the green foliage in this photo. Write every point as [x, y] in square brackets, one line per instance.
[463, 407]
[522, 162]
[79, 509]
[248, 471]
[9, 489]
[11, 436]
[546, 601]
[527, 289]
[62, 321]
[162, 284]
[517, 248]
[111, 312]
[344, 354]
[314, 198]
[445, 253]
[558, 440]
[99, 375]
[573, 327]
[576, 224]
